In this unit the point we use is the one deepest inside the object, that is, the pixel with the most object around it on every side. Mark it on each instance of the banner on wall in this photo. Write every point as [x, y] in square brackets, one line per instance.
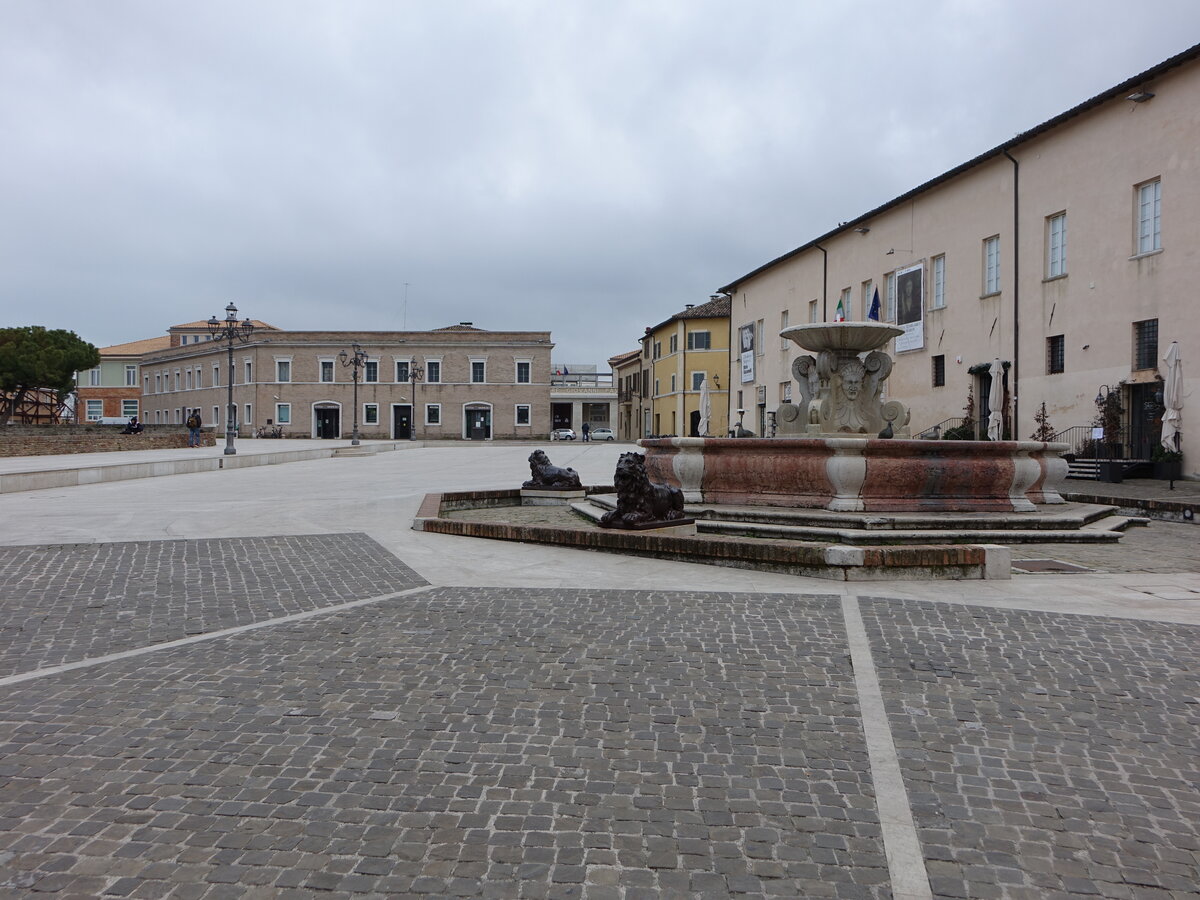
[910, 307]
[746, 342]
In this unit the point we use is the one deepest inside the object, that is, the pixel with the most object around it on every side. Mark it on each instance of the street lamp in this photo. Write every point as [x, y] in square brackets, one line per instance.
[357, 359]
[415, 374]
[230, 330]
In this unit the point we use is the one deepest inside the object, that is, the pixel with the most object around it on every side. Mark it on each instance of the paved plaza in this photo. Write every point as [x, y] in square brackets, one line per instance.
[260, 682]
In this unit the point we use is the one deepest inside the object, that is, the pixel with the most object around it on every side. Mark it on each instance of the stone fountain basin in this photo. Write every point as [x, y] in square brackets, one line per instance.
[861, 474]
[857, 336]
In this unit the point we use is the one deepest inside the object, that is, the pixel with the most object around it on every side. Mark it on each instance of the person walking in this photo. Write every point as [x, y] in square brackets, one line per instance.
[193, 427]
[587, 432]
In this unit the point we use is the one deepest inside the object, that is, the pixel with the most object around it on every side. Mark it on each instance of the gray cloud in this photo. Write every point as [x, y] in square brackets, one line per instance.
[585, 167]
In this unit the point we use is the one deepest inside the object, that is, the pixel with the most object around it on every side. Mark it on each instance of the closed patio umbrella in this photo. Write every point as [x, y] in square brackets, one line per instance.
[995, 427]
[1173, 399]
[705, 408]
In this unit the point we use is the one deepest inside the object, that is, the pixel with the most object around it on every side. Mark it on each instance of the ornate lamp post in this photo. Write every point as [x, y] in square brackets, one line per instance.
[357, 359]
[416, 374]
[231, 331]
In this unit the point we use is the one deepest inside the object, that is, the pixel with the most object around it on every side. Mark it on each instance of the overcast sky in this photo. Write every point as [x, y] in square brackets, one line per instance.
[583, 167]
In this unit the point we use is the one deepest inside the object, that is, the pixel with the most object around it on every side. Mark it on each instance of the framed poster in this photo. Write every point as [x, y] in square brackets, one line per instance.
[746, 342]
[910, 307]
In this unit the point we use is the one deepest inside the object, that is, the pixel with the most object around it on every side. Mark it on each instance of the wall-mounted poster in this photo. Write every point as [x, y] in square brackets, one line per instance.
[746, 335]
[910, 307]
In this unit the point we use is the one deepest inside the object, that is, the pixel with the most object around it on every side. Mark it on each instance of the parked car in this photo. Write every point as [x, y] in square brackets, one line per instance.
[562, 434]
[603, 434]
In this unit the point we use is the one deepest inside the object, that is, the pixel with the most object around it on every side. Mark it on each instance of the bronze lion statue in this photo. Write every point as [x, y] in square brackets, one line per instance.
[641, 501]
[546, 477]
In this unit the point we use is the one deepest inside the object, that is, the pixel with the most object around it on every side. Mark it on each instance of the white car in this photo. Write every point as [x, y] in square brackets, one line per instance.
[562, 434]
[603, 434]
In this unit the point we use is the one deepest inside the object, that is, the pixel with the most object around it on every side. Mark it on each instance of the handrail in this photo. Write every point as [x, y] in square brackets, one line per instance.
[935, 432]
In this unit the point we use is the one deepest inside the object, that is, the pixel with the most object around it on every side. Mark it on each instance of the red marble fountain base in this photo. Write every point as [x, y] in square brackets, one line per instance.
[861, 474]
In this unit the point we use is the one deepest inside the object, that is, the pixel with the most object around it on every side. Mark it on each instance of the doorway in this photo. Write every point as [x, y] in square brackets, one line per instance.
[328, 421]
[402, 423]
[694, 424]
[1145, 419]
[479, 423]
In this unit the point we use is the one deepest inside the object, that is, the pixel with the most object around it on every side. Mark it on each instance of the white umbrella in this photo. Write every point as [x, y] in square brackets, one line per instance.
[996, 401]
[1172, 398]
[705, 408]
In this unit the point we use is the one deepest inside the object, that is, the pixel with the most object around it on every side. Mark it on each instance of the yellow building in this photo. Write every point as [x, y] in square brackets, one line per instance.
[678, 355]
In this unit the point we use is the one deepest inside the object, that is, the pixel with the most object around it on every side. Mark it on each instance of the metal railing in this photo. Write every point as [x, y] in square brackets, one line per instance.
[935, 432]
[1082, 444]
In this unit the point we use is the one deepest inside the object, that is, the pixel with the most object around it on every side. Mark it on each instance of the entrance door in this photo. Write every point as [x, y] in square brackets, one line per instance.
[1145, 419]
[328, 422]
[694, 424]
[402, 423]
[479, 424]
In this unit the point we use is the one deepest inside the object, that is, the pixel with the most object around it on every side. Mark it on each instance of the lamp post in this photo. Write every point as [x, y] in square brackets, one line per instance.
[230, 330]
[416, 374]
[357, 359]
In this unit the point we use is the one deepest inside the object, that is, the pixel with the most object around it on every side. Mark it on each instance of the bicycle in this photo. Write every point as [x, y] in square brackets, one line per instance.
[269, 431]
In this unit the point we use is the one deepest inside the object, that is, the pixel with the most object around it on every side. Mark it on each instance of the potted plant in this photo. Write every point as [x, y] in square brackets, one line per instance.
[1168, 464]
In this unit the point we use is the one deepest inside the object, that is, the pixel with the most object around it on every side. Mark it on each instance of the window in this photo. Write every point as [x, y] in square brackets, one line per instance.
[1145, 344]
[991, 266]
[402, 370]
[1056, 246]
[846, 303]
[759, 347]
[371, 413]
[145, 384]
[95, 409]
[283, 414]
[939, 282]
[478, 371]
[939, 371]
[249, 373]
[176, 379]
[188, 378]
[216, 415]
[656, 390]
[1149, 210]
[868, 288]
[699, 340]
[199, 377]
[674, 343]
[327, 371]
[890, 289]
[783, 323]
[657, 349]
[697, 380]
[94, 377]
[814, 311]
[523, 414]
[433, 414]
[523, 372]
[672, 383]
[371, 371]
[785, 392]
[433, 375]
[216, 376]
[131, 376]
[248, 415]
[283, 370]
[1055, 354]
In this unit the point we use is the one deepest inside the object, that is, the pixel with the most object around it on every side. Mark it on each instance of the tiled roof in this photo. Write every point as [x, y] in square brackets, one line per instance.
[461, 326]
[203, 323]
[137, 348]
[621, 358]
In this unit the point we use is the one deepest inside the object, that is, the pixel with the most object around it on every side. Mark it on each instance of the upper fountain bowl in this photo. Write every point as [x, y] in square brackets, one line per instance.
[857, 336]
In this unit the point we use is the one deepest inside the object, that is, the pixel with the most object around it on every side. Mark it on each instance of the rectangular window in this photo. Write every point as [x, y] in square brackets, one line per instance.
[94, 377]
[477, 372]
[674, 342]
[1056, 245]
[95, 409]
[371, 414]
[783, 323]
[672, 383]
[129, 408]
[371, 371]
[991, 265]
[1145, 344]
[327, 371]
[785, 392]
[188, 378]
[216, 415]
[401, 371]
[846, 302]
[1055, 354]
[697, 380]
[283, 370]
[145, 384]
[890, 290]
[523, 373]
[199, 377]
[131, 376]
[699, 340]
[657, 349]
[523, 414]
[868, 288]
[283, 414]
[216, 376]
[814, 311]
[656, 390]
[433, 374]
[176, 379]
[1149, 212]
[939, 282]
[939, 371]
[433, 414]
[249, 373]
[759, 330]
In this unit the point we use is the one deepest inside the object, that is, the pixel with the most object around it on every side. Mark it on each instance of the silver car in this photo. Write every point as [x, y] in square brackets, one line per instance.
[562, 434]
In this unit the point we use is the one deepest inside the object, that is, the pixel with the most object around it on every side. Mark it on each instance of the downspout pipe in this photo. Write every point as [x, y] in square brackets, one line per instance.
[824, 283]
[1016, 361]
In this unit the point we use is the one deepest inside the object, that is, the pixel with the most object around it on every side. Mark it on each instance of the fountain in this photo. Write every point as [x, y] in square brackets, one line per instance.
[845, 447]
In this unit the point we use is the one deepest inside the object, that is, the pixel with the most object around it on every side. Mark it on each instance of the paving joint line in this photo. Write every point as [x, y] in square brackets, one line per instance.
[212, 635]
[901, 843]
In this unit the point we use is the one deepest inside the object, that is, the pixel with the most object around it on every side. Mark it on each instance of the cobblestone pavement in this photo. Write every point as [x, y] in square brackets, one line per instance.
[1045, 756]
[503, 743]
[63, 603]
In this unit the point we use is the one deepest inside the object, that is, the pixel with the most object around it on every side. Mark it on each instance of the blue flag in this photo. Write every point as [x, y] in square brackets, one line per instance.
[873, 315]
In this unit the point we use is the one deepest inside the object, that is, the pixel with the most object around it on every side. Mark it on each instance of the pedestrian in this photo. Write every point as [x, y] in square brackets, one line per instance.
[193, 427]
[587, 432]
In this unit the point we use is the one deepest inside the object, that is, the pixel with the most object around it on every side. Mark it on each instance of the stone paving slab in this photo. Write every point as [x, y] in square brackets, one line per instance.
[472, 742]
[1045, 756]
[67, 602]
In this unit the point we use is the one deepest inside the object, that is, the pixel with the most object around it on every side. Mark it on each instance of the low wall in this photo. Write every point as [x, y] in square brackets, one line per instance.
[47, 440]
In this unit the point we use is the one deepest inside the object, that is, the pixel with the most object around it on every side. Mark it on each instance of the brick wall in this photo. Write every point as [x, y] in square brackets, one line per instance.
[47, 440]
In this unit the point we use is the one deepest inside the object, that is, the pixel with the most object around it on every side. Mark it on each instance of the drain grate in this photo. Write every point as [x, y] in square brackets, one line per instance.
[1047, 565]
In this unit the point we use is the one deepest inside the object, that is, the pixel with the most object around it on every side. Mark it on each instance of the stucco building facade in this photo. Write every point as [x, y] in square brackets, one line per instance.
[678, 355]
[1069, 252]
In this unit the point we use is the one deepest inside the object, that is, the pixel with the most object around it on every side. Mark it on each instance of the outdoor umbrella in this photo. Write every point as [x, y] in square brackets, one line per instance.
[705, 408]
[1172, 399]
[996, 401]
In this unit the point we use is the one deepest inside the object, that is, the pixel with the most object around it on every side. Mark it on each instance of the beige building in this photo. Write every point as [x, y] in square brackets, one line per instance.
[627, 376]
[460, 382]
[1068, 252]
[679, 355]
[112, 390]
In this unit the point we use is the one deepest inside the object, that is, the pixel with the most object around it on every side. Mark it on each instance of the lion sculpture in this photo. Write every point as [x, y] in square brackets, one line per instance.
[550, 478]
[639, 500]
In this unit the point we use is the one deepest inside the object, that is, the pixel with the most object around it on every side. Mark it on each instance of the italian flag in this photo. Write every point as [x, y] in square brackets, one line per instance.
[840, 314]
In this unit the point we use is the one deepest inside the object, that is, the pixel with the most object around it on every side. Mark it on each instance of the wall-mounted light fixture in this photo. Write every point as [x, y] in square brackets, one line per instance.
[861, 229]
[1140, 96]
